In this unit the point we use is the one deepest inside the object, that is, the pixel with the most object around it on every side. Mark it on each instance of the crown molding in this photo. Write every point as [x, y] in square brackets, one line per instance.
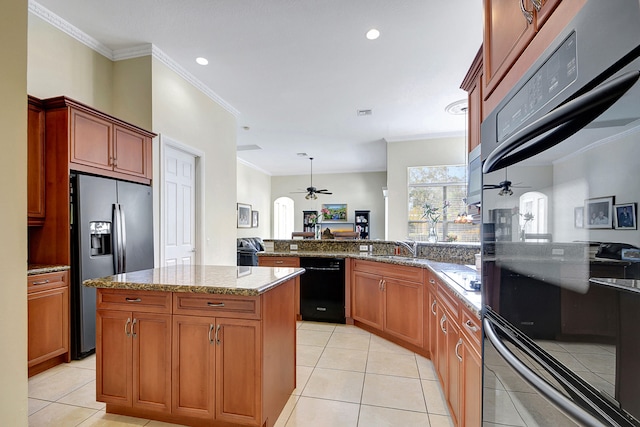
[126, 53]
[252, 166]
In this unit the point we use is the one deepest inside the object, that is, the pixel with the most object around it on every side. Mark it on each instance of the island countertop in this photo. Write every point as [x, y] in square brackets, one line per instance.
[206, 279]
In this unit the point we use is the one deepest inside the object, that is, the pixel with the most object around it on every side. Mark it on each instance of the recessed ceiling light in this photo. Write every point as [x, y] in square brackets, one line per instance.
[373, 34]
[202, 61]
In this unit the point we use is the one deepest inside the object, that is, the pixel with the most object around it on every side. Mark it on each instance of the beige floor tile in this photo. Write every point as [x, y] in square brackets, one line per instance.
[85, 396]
[401, 365]
[317, 326]
[62, 383]
[88, 362]
[302, 376]
[381, 345]
[310, 412]
[36, 404]
[436, 403]
[308, 355]
[345, 386]
[425, 368]
[317, 338]
[374, 416]
[102, 419]
[48, 373]
[442, 421]
[393, 392]
[57, 414]
[350, 329]
[286, 411]
[349, 341]
[343, 358]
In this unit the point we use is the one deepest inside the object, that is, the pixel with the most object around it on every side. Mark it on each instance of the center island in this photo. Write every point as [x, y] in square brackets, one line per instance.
[198, 345]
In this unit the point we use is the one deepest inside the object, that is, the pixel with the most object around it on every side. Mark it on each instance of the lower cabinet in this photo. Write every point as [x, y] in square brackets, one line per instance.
[48, 320]
[471, 384]
[389, 298]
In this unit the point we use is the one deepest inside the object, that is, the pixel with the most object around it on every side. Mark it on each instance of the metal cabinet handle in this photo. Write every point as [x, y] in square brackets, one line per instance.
[433, 307]
[384, 284]
[42, 282]
[217, 334]
[471, 326]
[133, 328]
[456, 351]
[380, 284]
[444, 318]
[126, 329]
[537, 4]
[279, 262]
[211, 326]
[133, 299]
[432, 281]
[528, 15]
[215, 304]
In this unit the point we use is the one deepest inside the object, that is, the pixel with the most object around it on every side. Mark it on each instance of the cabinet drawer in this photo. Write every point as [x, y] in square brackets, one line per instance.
[449, 301]
[42, 282]
[470, 325]
[278, 261]
[216, 305]
[413, 274]
[133, 300]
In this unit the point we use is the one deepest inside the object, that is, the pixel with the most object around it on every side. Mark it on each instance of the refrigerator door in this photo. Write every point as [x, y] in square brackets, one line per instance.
[136, 212]
[95, 198]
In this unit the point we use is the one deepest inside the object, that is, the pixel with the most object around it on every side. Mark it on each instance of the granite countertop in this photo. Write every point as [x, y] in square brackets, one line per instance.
[42, 268]
[472, 300]
[207, 279]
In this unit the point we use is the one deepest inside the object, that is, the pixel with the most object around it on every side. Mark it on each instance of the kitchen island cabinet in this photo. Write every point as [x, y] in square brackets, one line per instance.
[200, 346]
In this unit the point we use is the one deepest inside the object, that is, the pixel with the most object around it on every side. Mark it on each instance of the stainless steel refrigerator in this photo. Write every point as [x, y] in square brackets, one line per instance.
[111, 233]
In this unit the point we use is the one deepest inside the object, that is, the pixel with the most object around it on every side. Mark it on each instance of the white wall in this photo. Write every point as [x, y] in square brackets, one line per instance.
[13, 187]
[254, 188]
[361, 191]
[403, 154]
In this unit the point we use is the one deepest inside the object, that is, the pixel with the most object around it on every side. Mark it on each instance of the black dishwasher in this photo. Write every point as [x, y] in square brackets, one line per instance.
[322, 289]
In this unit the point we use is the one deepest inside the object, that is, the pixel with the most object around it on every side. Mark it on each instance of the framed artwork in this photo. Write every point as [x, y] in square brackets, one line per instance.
[334, 212]
[244, 215]
[254, 219]
[342, 226]
[578, 217]
[625, 216]
[598, 212]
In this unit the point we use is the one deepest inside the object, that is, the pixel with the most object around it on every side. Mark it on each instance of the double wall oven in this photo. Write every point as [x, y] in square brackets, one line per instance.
[561, 186]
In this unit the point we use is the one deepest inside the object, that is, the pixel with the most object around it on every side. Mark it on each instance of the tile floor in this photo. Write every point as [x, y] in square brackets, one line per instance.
[346, 378]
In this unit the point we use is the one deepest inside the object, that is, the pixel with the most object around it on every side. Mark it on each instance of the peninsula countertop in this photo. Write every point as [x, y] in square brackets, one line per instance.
[206, 279]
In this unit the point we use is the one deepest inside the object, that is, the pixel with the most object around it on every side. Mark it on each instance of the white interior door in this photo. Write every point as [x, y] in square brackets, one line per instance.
[179, 207]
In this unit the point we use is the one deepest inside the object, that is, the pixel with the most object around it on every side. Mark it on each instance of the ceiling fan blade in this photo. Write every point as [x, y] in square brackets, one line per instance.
[323, 192]
[491, 186]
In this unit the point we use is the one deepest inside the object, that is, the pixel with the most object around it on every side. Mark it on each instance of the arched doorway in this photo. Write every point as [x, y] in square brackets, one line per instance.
[283, 218]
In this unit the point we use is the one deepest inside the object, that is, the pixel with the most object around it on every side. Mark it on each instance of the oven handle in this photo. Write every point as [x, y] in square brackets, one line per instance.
[322, 268]
[554, 396]
[565, 120]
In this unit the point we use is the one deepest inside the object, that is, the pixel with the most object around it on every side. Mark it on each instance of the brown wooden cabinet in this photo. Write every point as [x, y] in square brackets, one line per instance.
[472, 83]
[133, 348]
[271, 261]
[35, 163]
[389, 298]
[48, 320]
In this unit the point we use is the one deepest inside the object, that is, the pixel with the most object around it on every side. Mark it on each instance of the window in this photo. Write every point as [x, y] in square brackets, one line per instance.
[283, 221]
[435, 185]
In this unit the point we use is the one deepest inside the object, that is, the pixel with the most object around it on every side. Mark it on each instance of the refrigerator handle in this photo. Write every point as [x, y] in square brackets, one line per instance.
[117, 240]
[123, 241]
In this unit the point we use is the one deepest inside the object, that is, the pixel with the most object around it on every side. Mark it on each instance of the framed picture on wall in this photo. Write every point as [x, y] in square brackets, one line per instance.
[244, 215]
[598, 213]
[254, 219]
[625, 216]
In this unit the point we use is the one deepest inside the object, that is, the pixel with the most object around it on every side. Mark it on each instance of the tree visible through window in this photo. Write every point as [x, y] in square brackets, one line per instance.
[435, 185]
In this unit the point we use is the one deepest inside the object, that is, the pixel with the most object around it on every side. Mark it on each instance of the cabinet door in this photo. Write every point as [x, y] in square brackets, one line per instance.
[454, 368]
[193, 349]
[35, 165]
[368, 299]
[403, 310]
[131, 153]
[238, 371]
[434, 327]
[90, 140]
[441, 347]
[474, 113]
[48, 333]
[151, 340]
[114, 361]
[506, 34]
[471, 385]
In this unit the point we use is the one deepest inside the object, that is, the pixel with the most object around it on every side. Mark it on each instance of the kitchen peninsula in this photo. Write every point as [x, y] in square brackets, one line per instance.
[197, 345]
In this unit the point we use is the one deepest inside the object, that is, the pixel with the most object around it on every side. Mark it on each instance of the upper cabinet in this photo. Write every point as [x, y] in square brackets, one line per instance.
[516, 32]
[472, 83]
[35, 163]
[99, 143]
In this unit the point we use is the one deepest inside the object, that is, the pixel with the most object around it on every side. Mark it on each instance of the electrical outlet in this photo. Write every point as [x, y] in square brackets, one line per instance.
[293, 247]
[557, 251]
[364, 248]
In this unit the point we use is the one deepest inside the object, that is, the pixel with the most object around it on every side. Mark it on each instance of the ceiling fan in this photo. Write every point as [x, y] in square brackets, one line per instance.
[504, 186]
[311, 190]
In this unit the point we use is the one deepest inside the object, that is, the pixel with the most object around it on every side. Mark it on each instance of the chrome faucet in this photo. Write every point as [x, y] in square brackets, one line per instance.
[412, 248]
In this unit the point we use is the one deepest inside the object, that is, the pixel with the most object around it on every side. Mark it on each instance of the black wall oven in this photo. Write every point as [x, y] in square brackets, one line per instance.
[561, 185]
